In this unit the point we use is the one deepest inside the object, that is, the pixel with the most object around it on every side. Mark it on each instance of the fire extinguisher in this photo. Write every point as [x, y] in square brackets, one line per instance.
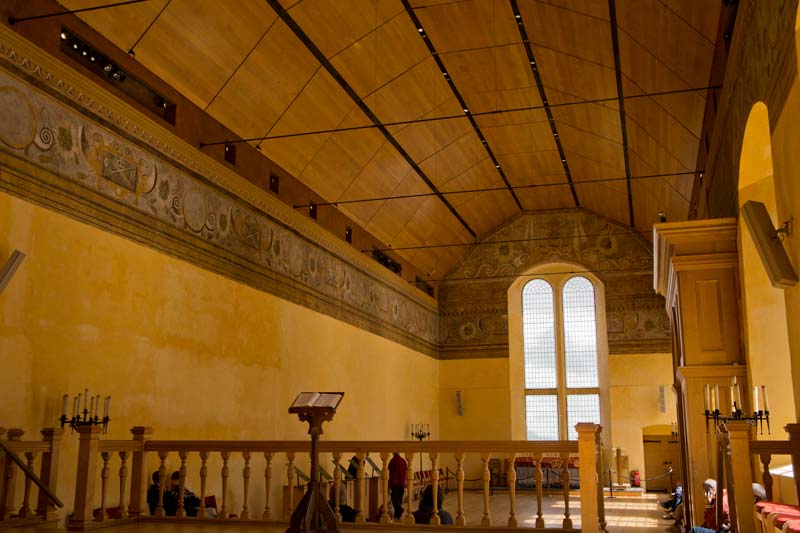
[636, 481]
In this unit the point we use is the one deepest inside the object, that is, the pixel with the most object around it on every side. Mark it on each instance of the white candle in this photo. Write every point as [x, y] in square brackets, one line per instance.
[108, 403]
[755, 398]
[91, 407]
[766, 400]
[64, 404]
[716, 397]
[707, 396]
[739, 397]
[75, 405]
[79, 403]
[85, 398]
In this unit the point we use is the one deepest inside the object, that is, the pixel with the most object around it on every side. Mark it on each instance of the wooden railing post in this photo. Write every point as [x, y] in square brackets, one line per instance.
[511, 470]
[384, 517]
[139, 475]
[7, 489]
[460, 519]
[601, 500]
[588, 476]
[794, 441]
[539, 492]
[88, 444]
[435, 520]
[486, 520]
[740, 478]
[337, 483]
[408, 518]
[361, 515]
[49, 471]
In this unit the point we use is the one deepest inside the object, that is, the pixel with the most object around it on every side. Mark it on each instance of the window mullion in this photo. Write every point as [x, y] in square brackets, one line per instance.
[561, 374]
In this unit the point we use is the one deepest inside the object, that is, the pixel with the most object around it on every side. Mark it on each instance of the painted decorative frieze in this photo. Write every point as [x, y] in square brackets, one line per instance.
[119, 176]
[473, 299]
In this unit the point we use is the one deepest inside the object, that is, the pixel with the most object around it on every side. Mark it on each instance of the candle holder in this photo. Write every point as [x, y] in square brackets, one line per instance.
[89, 415]
[756, 419]
[420, 432]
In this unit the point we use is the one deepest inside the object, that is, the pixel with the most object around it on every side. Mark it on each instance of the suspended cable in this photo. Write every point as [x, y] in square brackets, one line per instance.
[506, 241]
[514, 276]
[460, 116]
[495, 189]
[14, 20]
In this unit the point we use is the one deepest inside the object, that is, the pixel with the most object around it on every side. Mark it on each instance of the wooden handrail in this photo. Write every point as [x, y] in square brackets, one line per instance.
[114, 446]
[521, 447]
[773, 447]
[33, 477]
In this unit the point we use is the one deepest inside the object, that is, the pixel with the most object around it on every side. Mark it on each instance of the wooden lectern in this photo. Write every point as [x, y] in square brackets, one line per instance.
[313, 513]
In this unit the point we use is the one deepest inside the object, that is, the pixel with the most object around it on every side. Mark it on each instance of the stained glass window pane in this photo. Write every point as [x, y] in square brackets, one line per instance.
[581, 408]
[580, 335]
[541, 416]
[539, 335]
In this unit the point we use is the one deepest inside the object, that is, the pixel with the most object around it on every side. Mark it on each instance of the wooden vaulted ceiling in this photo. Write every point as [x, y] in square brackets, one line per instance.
[369, 74]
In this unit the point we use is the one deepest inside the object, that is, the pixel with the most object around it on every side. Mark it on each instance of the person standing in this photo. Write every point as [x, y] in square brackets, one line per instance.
[397, 483]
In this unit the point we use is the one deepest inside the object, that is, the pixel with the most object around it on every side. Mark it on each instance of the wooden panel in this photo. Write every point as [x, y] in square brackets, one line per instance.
[279, 70]
[709, 303]
[470, 24]
[121, 25]
[199, 67]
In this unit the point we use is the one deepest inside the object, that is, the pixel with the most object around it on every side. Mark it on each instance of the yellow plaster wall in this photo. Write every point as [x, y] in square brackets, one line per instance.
[786, 161]
[764, 320]
[191, 353]
[634, 390]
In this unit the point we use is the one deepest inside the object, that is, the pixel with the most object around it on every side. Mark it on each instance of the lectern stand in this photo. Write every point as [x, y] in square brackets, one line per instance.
[313, 513]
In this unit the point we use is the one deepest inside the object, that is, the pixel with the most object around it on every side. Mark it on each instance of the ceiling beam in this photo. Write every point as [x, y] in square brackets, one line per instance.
[545, 104]
[436, 57]
[612, 15]
[337, 76]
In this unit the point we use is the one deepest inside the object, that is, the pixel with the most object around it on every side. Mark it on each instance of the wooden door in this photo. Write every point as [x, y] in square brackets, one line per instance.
[661, 452]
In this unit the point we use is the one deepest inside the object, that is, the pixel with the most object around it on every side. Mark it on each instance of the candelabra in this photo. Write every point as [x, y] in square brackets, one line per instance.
[757, 418]
[89, 415]
[420, 432]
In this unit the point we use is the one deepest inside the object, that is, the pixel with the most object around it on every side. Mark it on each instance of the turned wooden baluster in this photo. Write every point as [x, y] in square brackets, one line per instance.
[384, 517]
[486, 521]
[511, 460]
[223, 512]
[290, 479]
[601, 501]
[567, 522]
[162, 480]
[246, 478]
[766, 476]
[201, 512]
[361, 517]
[435, 520]
[267, 514]
[104, 475]
[460, 519]
[123, 478]
[539, 490]
[337, 482]
[25, 510]
[181, 512]
[408, 518]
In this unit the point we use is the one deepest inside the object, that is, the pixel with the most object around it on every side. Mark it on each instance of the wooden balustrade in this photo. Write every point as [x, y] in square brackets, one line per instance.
[15, 509]
[234, 493]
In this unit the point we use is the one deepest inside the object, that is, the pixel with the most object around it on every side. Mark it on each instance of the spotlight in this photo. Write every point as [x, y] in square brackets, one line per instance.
[91, 58]
[466, 110]
[118, 75]
[662, 217]
[63, 36]
[420, 30]
[75, 46]
[108, 68]
[517, 17]
[497, 166]
[84, 53]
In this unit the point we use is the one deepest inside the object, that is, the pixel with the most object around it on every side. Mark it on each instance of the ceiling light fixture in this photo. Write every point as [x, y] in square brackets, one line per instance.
[420, 30]
[63, 36]
[75, 46]
[466, 110]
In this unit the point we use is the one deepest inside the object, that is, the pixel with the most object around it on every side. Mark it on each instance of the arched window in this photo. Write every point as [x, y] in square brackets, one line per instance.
[562, 384]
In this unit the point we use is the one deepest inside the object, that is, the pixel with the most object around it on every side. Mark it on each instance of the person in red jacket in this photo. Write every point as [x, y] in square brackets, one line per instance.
[397, 482]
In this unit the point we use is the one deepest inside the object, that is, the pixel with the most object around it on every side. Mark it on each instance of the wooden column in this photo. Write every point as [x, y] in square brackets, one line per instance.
[8, 483]
[140, 478]
[740, 477]
[588, 477]
[794, 440]
[89, 439]
[697, 271]
[49, 471]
